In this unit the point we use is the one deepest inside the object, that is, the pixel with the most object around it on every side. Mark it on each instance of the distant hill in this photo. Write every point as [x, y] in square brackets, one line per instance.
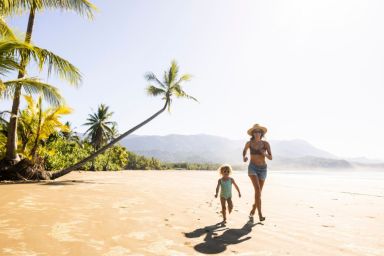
[202, 148]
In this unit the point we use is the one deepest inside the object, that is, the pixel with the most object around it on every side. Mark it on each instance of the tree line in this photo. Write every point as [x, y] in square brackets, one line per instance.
[34, 140]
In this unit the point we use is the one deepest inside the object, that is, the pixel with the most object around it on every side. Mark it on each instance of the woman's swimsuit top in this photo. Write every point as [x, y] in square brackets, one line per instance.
[257, 151]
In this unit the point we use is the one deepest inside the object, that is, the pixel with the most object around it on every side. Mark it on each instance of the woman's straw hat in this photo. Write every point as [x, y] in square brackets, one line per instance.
[257, 127]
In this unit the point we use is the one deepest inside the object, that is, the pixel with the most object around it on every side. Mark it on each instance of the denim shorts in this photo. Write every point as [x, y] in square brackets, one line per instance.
[257, 170]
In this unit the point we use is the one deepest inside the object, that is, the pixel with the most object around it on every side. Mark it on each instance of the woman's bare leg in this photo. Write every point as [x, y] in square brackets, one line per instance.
[256, 185]
[261, 184]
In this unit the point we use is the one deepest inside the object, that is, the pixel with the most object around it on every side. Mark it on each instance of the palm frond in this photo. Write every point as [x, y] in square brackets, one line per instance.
[2, 87]
[155, 91]
[34, 86]
[180, 93]
[184, 78]
[5, 31]
[173, 71]
[12, 50]
[152, 77]
[82, 7]
[61, 67]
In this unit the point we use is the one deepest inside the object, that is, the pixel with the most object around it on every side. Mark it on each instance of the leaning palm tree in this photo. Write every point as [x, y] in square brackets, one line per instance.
[8, 7]
[171, 86]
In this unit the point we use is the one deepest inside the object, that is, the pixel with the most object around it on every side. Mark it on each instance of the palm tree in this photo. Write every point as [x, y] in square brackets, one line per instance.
[171, 86]
[83, 7]
[100, 130]
[69, 134]
[48, 122]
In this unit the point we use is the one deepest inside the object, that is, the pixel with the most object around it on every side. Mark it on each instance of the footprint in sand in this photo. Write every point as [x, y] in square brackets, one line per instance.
[160, 247]
[139, 235]
[63, 232]
[11, 251]
[117, 251]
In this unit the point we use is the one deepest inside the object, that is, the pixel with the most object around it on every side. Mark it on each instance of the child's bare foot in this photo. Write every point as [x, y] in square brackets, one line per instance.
[253, 210]
[230, 210]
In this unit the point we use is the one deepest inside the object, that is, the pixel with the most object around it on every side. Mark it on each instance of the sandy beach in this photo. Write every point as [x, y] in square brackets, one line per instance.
[175, 213]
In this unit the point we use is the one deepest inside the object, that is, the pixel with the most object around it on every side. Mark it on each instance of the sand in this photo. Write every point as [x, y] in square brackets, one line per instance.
[175, 213]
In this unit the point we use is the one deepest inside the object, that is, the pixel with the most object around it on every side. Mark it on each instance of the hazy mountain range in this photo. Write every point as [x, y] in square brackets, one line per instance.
[201, 148]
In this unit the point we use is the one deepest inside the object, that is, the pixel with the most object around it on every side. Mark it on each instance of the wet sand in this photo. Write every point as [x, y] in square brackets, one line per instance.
[175, 213]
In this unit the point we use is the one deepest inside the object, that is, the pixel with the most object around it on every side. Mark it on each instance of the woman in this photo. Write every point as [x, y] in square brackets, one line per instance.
[257, 169]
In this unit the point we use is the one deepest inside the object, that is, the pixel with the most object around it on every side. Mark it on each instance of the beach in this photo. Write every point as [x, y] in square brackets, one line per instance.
[175, 213]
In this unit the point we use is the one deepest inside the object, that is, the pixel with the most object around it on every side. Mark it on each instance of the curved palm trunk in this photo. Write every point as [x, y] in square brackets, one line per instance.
[104, 148]
[11, 152]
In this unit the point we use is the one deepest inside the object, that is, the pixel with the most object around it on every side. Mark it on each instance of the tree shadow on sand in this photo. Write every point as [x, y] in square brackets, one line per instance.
[214, 243]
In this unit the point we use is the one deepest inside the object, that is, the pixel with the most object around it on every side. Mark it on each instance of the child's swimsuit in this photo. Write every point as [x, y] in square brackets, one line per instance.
[226, 188]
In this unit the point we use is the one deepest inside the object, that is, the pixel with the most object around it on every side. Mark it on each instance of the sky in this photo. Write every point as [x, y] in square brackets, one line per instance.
[311, 70]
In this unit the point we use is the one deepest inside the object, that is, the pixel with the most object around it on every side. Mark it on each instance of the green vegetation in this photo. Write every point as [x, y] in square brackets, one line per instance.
[34, 140]
[171, 86]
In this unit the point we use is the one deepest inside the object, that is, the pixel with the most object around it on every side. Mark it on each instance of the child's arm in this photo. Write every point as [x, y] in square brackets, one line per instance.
[237, 188]
[217, 187]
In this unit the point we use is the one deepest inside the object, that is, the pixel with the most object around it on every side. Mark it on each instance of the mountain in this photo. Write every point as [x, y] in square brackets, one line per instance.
[199, 148]
[202, 148]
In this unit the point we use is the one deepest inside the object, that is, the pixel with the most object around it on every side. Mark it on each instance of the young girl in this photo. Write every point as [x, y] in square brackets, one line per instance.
[225, 183]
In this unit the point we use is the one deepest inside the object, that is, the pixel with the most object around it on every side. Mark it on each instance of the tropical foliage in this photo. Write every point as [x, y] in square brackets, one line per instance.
[169, 87]
[37, 132]
[101, 129]
[18, 58]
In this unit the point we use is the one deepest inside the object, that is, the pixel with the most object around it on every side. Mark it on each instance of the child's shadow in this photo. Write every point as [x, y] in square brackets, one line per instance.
[214, 243]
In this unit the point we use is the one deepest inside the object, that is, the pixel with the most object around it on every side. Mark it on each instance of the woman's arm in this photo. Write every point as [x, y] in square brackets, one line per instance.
[268, 153]
[246, 147]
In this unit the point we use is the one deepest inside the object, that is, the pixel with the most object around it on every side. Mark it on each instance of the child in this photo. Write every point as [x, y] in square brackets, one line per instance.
[225, 183]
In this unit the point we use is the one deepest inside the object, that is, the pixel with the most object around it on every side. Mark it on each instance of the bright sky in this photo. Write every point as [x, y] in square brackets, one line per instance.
[306, 69]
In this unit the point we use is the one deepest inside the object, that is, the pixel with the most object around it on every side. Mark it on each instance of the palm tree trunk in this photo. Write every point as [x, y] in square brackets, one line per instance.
[110, 144]
[36, 143]
[11, 153]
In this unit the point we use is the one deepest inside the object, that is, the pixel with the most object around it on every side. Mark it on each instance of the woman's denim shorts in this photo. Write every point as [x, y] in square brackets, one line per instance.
[259, 171]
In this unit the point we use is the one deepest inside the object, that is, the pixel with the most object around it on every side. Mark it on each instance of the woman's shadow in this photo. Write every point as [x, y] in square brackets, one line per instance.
[214, 243]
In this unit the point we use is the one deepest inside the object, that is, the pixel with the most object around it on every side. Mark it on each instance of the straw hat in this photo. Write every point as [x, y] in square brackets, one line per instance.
[257, 127]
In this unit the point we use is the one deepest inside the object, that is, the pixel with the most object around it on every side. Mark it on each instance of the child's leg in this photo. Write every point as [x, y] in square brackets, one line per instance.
[230, 205]
[223, 209]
